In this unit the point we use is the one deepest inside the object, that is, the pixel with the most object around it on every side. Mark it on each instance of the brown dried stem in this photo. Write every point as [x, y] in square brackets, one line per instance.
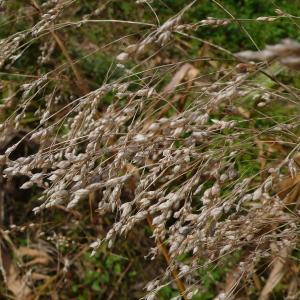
[164, 252]
[81, 83]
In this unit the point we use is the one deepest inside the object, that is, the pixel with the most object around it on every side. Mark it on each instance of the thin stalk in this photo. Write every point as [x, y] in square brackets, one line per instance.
[165, 253]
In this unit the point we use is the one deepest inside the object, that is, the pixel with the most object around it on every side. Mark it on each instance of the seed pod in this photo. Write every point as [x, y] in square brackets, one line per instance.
[122, 57]
[257, 194]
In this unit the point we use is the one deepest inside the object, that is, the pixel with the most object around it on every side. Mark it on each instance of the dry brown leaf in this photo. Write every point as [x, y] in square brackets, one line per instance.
[17, 284]
[26, 251]
[39, 276]
[14, 282]
[232, 281]
[288, 189]
[178, 77]
[276, 274]
[293, 289]
[244, 112]
[191, 74]
[38, 260]
[39, 256]
[205, 50]
[187, 72]
[274, 147]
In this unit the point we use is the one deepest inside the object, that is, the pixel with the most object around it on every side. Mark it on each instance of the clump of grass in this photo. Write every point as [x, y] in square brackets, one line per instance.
[199, 155]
